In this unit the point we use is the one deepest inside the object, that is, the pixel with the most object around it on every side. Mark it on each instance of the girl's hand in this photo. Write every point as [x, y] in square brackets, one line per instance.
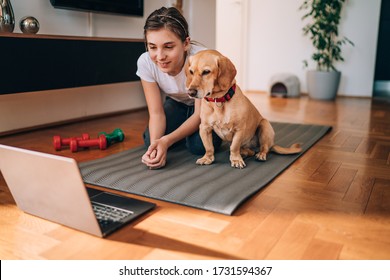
[156, 155]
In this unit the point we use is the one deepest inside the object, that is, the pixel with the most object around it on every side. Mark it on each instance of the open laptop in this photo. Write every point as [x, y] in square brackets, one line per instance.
[51, 187]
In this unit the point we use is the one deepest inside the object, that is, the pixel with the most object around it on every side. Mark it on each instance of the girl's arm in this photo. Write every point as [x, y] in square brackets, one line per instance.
[155, 156]
[187, 128]
[157, 121]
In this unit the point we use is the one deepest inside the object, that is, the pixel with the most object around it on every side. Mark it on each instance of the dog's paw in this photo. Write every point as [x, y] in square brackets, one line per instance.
[205, 160]
[261, 156]
[239, 163]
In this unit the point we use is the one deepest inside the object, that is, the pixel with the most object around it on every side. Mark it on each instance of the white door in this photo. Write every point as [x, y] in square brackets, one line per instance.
[231, 34]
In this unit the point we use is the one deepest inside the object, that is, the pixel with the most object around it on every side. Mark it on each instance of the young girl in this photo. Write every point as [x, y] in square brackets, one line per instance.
[161, 69]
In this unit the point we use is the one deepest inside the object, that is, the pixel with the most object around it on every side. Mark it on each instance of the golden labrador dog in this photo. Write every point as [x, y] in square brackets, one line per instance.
[227, 111]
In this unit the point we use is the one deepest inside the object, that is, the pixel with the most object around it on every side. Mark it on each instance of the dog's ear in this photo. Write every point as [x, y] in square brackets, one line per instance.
[226, 72]
[187, 66]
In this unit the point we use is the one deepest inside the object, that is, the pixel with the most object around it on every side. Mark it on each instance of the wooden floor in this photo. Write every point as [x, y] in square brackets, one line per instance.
[332, 203]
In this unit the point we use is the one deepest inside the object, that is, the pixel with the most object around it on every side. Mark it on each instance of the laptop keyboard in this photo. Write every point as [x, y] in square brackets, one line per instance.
[107, 214]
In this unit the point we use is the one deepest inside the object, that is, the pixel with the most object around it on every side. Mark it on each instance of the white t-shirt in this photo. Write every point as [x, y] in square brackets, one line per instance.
[172, 86]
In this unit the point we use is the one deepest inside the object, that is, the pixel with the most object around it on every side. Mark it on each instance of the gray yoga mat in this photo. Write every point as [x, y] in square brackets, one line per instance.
[217, 187]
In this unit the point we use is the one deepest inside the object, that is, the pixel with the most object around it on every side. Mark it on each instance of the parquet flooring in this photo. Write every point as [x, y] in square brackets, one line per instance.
[332, 203]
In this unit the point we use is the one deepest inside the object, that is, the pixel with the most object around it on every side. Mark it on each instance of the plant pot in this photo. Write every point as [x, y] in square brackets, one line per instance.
[323, 85]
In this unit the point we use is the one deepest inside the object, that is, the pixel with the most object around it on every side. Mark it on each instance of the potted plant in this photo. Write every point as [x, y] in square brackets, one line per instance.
[324, 19]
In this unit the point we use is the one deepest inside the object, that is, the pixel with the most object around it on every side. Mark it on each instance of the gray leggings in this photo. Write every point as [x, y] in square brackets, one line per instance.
[177, 113]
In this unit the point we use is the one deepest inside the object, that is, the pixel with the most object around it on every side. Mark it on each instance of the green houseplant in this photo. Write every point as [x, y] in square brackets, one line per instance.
[323, 20]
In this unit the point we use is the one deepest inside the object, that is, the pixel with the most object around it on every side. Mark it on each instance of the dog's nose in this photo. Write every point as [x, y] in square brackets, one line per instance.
[192, 92]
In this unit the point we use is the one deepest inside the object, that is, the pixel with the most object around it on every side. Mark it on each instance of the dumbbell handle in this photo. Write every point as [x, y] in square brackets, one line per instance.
[100, 142]
[59, 142]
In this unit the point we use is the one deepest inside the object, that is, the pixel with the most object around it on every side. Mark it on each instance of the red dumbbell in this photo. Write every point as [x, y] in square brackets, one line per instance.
[59, 142]
[100, 142]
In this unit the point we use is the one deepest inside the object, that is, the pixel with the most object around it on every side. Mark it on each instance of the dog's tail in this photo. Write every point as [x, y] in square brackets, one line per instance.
[295, 148]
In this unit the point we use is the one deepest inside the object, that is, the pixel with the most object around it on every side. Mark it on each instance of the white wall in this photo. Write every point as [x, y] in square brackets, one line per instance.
[200, 15]
[275, 43]
[76, 23]
[52, 21]
[24, 110]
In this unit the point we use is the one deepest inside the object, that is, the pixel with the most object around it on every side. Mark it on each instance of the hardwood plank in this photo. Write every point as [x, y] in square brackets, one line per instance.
[267, 234]
[379, 201]
[294, 242]
[360, 189]
[196, 221]
[322, 250]
[325, 172]
[366, 146]
[342, 180]
[359, 235]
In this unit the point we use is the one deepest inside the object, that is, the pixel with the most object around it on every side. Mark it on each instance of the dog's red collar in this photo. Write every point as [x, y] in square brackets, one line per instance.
[224, 98]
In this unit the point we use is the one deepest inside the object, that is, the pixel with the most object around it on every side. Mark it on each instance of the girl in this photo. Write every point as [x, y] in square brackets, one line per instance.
[161, 69]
